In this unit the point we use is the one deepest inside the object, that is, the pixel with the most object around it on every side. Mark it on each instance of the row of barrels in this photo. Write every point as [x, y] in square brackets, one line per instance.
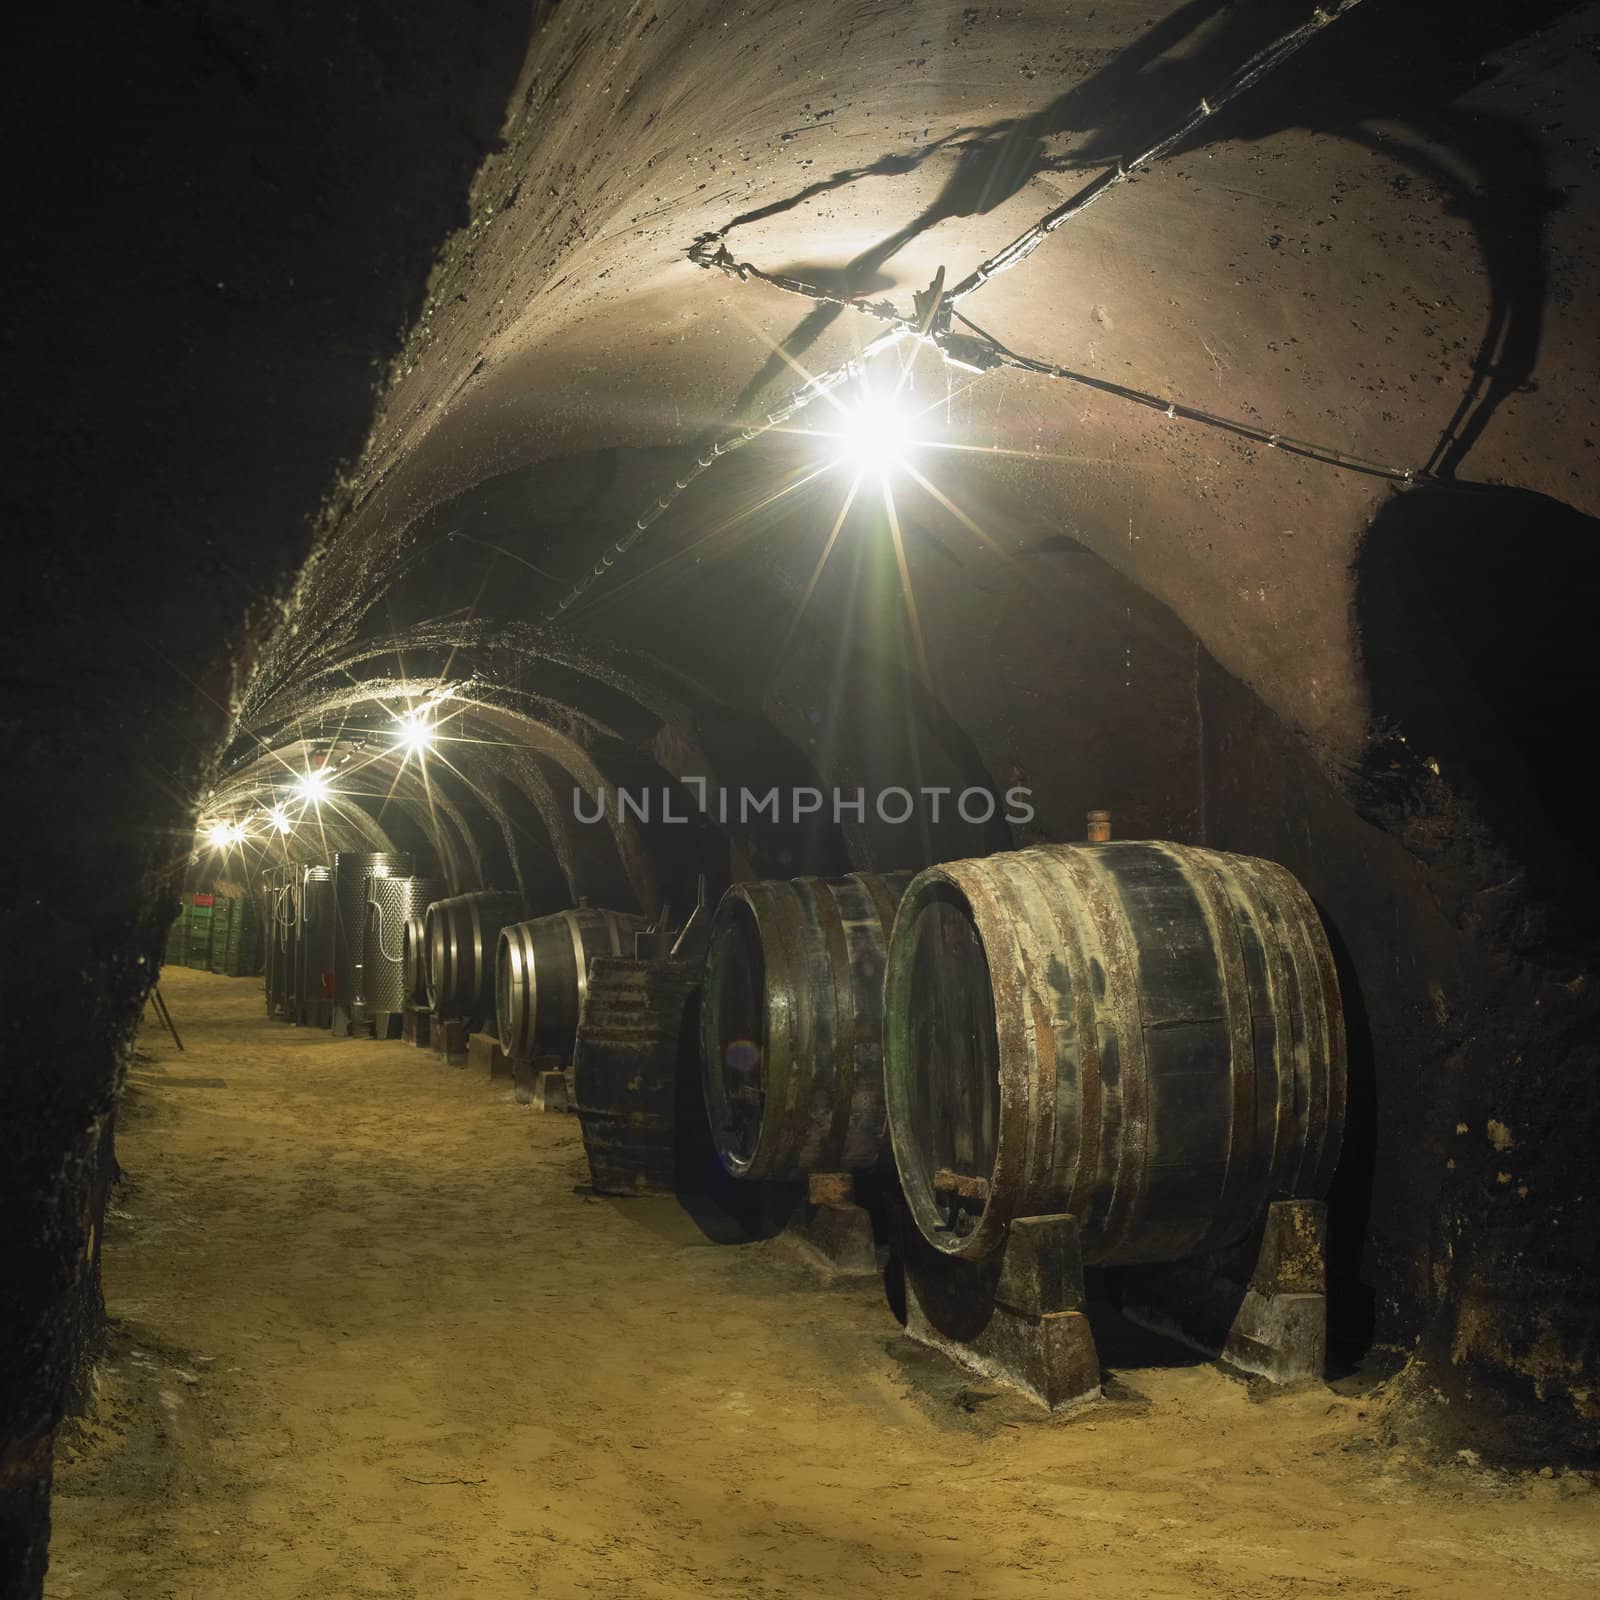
[367, 938]
[1145, 1034]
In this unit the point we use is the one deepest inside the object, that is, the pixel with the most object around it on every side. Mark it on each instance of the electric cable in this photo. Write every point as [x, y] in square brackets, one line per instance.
[935, 310]
[797, 401]
[1251, 73]
[1328, 455]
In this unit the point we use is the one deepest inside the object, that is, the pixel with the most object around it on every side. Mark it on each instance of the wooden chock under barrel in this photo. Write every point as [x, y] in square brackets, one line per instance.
[1260, 1305]
[415, 1026]
[833, 1225]
[1017, 1319]
[449, 1040]
[540, 1082]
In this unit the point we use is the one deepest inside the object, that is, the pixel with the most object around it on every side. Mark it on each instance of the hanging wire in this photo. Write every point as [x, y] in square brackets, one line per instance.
[734, 440]
[1329, 455]
[1251, 73]
[931, 323]
[710, 251]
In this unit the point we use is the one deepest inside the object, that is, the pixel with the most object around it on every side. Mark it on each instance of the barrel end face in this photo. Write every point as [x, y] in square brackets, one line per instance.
[839, 1236]
[942, 1066]
[734, 1035]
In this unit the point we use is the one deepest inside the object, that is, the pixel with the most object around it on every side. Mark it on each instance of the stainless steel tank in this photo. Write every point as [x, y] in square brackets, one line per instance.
[392, 902]
[314, 948]
[284, 936]
[351, 870]
[275, 883]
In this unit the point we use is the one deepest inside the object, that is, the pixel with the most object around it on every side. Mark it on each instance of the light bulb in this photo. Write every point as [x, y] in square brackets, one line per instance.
[876, 433]
[313, 785]
[415, 733]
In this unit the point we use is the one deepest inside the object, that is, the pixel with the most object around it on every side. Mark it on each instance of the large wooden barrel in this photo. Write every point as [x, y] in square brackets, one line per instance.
[460, 933]
[791, 1024]
[414, 957]
[542, 976]
[636, 1075]
[1146, 1035]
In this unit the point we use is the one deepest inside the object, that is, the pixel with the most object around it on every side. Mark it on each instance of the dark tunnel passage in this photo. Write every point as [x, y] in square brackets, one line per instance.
[395, 471]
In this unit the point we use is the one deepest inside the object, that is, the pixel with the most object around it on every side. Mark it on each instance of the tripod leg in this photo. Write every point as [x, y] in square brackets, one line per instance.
[166, 1016]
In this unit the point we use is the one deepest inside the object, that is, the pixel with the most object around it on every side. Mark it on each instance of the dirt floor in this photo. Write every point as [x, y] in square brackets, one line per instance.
[370, 1340]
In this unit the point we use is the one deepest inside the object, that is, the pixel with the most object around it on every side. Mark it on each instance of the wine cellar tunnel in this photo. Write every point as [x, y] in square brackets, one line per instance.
[1001, 592]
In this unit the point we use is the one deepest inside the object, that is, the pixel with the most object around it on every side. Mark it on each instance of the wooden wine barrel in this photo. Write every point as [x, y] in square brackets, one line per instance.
[460, 934]
[542, 976]
[791, 1024]
[636, 1075]
[1146, 1035]
[414, 958]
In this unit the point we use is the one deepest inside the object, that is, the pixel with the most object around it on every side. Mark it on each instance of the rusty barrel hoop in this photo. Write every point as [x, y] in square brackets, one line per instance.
[542, 975]
[1145, 1034]
[791, 1024]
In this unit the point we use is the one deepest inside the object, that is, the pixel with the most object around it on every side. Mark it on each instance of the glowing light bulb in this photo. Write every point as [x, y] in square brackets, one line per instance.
[221, 835]
[415, 733]
[280, 819]
[313, 785]
[876, 434]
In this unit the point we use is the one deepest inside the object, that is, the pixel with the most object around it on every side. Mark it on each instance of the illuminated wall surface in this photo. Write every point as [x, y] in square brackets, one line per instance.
[392, 454]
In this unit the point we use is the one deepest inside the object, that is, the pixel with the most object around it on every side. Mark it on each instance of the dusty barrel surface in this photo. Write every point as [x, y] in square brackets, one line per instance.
[542, 976]
[636, 1074]
[1147, 1035]
[460, 934]
[791, 1024]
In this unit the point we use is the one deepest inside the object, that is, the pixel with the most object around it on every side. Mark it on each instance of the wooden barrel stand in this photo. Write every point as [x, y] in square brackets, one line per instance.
[1134, 1050]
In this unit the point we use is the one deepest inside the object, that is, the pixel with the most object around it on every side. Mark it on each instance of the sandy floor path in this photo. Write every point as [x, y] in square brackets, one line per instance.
[371, 1343]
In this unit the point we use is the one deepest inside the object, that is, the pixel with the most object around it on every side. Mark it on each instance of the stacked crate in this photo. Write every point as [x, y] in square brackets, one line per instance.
[199, 915]
[221, 924]
[177, 953]
[239, 958]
